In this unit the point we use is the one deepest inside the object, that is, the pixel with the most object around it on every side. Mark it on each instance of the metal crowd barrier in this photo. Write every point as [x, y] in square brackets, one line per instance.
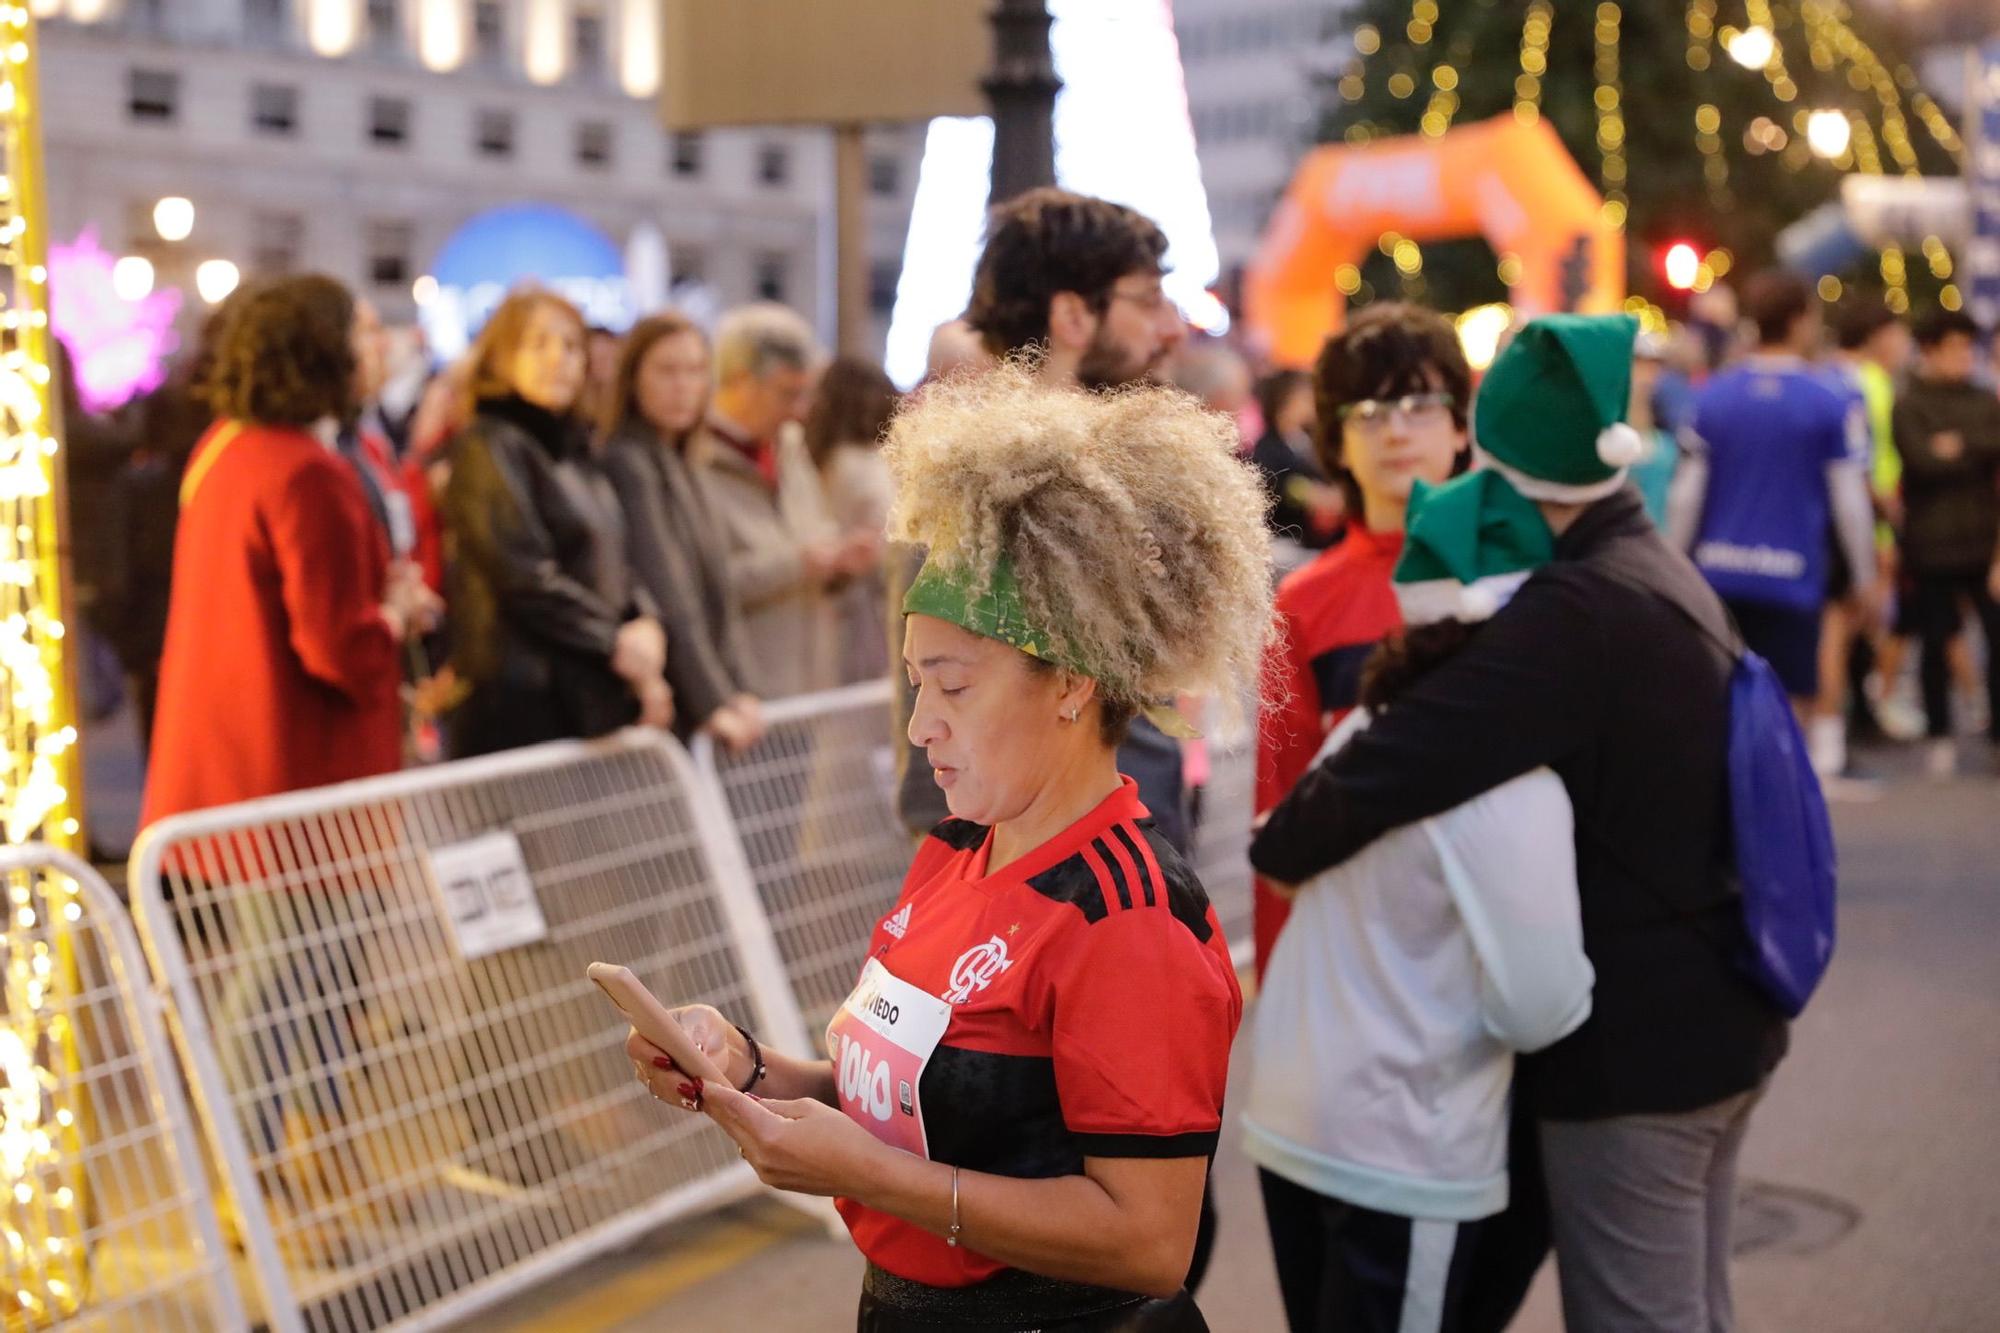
[814, 807]
[106, 1220]
[416, 1098]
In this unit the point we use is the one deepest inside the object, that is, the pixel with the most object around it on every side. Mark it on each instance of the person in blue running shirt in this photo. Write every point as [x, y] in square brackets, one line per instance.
[1771, 462]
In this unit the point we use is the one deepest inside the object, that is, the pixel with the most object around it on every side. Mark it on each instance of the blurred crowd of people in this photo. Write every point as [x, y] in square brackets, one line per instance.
[310, 556]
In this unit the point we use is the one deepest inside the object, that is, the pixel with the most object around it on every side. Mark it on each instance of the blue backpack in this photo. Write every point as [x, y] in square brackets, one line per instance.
[1780, 833]
[1783, 839]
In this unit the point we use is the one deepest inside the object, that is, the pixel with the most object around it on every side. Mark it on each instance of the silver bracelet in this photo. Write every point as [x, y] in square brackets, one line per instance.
[952, 1239]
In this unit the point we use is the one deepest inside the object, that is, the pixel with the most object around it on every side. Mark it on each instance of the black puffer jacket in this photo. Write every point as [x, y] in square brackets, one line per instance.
[1949, 439]
[537, 588]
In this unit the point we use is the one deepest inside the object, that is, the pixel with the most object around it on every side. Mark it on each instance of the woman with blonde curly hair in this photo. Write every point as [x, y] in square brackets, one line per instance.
[1026, 1084]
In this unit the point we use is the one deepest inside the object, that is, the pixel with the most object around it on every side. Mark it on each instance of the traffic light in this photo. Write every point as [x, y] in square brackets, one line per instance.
[1681, 262]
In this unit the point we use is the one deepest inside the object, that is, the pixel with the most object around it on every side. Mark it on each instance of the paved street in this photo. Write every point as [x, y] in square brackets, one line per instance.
[1869, 1197]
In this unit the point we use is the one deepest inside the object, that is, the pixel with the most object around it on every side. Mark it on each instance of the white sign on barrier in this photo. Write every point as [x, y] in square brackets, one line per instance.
[489, 898]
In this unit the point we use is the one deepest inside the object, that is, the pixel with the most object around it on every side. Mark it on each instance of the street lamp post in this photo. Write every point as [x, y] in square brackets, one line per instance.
[1022, 89]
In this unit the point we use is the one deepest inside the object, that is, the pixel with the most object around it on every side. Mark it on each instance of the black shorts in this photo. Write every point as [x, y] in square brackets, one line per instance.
[1786, 637]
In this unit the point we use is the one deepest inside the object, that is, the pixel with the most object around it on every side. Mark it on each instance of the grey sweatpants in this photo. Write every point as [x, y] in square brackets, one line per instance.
[1640, 1206]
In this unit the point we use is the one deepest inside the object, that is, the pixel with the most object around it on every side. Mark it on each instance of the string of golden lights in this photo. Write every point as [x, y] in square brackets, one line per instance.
[40, 1139]
[1610, 113]
[1534, 61]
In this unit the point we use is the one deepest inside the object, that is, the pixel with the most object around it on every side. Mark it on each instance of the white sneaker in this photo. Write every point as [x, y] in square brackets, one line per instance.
[1901, 720]
[1826, 743]
[1941, 759]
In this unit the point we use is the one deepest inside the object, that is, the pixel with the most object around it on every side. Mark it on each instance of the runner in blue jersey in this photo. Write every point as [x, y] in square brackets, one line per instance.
[1776, 459]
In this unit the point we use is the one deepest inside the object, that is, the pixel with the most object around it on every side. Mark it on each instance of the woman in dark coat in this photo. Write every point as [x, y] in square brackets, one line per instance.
[658, 400]
[549, 632]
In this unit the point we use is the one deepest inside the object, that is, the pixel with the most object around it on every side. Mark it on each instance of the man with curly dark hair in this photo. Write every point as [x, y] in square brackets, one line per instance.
[281, 665]
[1079, 279]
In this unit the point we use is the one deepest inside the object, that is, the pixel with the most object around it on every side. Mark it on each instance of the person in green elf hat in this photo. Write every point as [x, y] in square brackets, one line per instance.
[1027, 1082]
[1605, 668]
[1406, 979]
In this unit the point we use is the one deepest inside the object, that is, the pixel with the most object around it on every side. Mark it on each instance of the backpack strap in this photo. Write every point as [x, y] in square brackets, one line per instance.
[1620, 564]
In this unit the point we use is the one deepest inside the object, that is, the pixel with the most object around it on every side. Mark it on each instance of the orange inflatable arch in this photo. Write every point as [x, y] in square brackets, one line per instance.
[1514, 184]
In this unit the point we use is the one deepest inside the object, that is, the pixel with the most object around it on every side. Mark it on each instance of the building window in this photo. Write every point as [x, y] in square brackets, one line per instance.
[389, 120]
[274, 108]
[276, 240]
[146, 16]
[265, 20]
[588, 45]
[495, 134]
[389, 247]
[385, 25]
[770, 273]
[885, 175]
[593, 143]
[152, 94]
[883, 275]
[686, 155]
[489, 32]
[774, 164]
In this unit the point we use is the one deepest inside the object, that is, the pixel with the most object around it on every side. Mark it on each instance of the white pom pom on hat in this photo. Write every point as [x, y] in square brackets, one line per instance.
[1619, 445]
[1476, 604]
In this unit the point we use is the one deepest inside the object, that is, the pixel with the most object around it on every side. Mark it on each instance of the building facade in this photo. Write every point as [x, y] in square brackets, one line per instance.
[353, 137]
[1256, 71]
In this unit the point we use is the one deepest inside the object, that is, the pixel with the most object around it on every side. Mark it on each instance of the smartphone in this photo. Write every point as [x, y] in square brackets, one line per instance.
[645, 1013]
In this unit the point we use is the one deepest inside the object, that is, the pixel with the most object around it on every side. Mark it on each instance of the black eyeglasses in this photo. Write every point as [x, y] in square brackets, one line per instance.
[1416, 409]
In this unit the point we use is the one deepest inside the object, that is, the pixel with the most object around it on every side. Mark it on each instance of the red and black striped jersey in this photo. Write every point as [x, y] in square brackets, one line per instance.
[1093, 1004]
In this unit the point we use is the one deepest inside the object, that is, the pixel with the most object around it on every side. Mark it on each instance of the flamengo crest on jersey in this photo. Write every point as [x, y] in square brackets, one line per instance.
[975, 969]
[899, 923]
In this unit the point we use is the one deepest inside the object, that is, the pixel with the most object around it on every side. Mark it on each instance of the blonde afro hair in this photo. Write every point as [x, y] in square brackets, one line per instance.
[1135, 532]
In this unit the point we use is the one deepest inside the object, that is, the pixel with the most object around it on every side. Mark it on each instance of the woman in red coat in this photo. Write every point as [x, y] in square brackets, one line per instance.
[281, 668]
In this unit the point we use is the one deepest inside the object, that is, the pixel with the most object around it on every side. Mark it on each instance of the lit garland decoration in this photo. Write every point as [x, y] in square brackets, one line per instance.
[40, 1138]
[1610, 114]
[1534, 62]
[1701, 34]
[1444, 102]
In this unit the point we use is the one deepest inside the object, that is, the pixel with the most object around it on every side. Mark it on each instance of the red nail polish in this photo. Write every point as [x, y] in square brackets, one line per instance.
[662, 1062]
[691, 1091]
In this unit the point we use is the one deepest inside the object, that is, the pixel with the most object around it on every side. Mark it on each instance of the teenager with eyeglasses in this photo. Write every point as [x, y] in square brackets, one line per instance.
[1392, 390]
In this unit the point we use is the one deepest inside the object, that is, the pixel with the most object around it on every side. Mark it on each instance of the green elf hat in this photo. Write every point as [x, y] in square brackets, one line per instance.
[996, 612]
[1468, 545]
[1550, 413]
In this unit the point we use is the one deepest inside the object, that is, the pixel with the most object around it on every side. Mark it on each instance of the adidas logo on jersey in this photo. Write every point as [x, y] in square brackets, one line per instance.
[899, 923]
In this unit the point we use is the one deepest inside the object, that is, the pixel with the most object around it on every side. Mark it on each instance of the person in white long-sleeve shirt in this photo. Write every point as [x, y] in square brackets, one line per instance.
[1406, 979]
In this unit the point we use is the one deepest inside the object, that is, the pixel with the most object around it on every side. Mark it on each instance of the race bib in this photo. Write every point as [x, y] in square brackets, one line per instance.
[880, 1040]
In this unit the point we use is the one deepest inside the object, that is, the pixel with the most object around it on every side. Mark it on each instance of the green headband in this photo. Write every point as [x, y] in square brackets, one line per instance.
[997, 613]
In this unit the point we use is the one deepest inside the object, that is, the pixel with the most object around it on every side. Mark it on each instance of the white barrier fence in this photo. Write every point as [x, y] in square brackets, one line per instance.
[106, 1220]
[415, 1101]
[419, 1102]
[814, 804]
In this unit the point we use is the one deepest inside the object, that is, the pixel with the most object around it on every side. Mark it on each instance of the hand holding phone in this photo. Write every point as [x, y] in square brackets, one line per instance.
[652, 1020]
